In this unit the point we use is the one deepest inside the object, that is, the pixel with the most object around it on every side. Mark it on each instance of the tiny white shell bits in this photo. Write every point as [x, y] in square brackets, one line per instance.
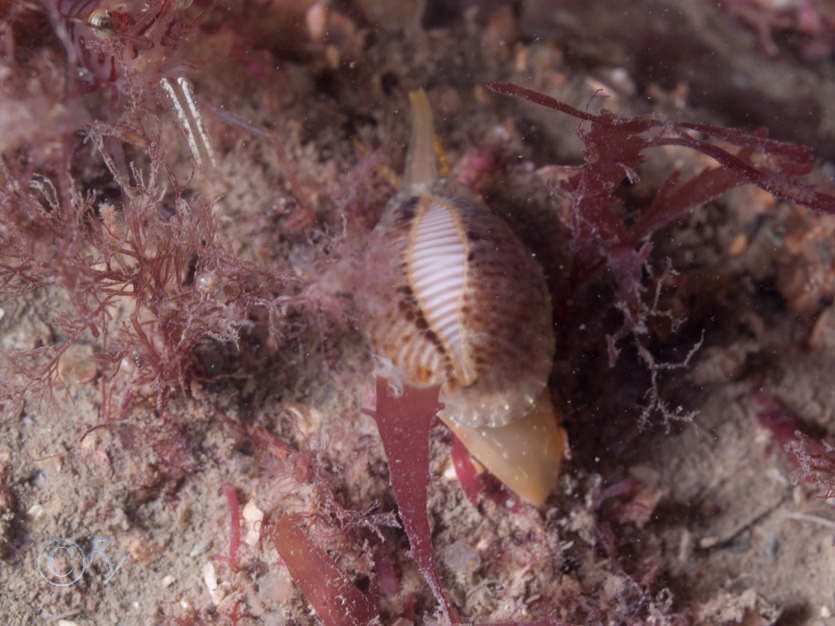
[470, 311]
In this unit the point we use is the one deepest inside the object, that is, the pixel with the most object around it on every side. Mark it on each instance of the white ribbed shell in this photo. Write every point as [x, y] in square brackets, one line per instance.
[471, 309]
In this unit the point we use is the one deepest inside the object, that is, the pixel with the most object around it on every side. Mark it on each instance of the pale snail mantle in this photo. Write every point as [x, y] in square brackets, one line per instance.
[472, 313]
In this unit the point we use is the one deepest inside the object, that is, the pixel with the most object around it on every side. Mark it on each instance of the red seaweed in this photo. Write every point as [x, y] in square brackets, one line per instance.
[235, 524]
[465, 471]
[336, 600]
[782, 424]
[814, 459]
[387, 577]
[614, 151]
[404, 422]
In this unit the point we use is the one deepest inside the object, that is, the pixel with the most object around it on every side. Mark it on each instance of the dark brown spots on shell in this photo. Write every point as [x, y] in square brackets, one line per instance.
[408, 303]
[431, 336]
[424, 374]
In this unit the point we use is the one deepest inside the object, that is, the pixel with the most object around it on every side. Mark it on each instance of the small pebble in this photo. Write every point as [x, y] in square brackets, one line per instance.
[799, 494]
[210, 578]
[254, 518]
[141, 551]
[738, 245]
[621, 80]
[77, 364]
[685, 546]
[771, 544]
[200, 548]
[461, 558]
[276, 586]
[316, 20]
[35, 511]
[332, 57]
[520, 61]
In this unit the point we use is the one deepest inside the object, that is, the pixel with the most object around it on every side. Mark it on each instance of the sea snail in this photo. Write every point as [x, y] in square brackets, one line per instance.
[472, 313]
